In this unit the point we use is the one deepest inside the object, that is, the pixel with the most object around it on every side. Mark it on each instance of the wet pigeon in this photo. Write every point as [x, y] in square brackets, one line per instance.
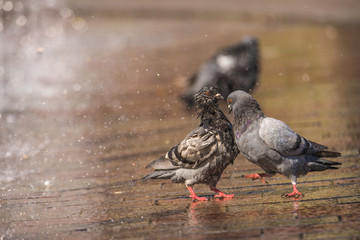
[205, 153]
[233, 68]
[272, 145]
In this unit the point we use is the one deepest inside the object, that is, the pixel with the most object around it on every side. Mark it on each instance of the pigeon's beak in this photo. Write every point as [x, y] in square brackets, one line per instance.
[218, 96]
[230, 109]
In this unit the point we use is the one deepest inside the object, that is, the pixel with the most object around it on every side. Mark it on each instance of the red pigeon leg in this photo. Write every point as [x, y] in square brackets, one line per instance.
[193, 195]
[295, 193]
[220, 194]
[258, 176]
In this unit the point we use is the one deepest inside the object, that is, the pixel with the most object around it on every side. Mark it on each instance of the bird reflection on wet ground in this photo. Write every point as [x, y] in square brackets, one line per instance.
[75, 138]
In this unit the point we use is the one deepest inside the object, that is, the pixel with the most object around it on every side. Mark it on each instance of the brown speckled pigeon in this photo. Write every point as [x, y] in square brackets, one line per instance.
[205, 153]
[235, 67]
[272, 145]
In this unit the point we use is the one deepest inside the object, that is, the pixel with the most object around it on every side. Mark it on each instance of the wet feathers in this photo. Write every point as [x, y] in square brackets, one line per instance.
[204, 153]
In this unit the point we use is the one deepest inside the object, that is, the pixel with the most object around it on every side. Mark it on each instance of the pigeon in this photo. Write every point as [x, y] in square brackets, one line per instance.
[233, 68]
[272, 145]
[203, 155]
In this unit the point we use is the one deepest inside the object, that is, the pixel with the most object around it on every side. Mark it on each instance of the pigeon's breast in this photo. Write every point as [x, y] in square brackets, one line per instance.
[254, 148]
[248, 142]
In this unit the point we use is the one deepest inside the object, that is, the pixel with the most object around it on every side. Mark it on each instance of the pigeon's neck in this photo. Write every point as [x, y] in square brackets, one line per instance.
[213, 116]
[245, 116]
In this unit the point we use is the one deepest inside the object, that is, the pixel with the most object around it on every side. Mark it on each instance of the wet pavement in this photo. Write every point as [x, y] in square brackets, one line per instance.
[89, 96]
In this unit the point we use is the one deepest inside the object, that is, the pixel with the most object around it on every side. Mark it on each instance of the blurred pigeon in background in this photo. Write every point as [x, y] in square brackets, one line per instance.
[233, 68]
[272, 145]
[205, 153]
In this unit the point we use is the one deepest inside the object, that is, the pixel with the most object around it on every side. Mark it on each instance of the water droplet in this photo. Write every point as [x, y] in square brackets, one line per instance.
[306, 77]
[66, 13]
[77, 87]
[78, 24]
[40, 50]
[21, 21]
[8, 6]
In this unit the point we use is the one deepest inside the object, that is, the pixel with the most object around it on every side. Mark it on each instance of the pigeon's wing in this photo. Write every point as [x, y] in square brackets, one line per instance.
[279, 136]
[246, 52]
[195, 149]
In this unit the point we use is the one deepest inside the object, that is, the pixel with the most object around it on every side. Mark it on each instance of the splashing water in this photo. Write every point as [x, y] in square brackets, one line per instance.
[34, 52]
[36, 62]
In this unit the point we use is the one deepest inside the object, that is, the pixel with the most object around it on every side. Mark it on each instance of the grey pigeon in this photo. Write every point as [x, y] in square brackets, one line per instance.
[272, 145]
[205, 153]
[233, 68]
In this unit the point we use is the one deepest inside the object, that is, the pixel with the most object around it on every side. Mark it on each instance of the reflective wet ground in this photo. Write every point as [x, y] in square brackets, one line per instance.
[89, 96]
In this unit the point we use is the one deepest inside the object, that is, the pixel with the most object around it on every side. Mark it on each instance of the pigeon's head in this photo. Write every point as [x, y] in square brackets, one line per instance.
[242, 101]
[207, 96]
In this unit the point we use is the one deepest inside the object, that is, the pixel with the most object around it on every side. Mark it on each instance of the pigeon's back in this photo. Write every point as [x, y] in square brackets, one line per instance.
[235, 67]
[245, 58]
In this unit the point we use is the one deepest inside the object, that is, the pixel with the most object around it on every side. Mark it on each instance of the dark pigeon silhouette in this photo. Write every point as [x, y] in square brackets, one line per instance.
[205, 153]
[233, 68]
[272, 145]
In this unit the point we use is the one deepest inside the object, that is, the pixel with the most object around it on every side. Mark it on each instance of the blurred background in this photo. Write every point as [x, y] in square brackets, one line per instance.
[89, 94]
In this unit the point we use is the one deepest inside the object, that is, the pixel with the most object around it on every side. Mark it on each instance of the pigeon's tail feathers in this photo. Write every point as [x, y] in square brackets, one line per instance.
[163, 169]
[192, 79]
[317, 146]
[322, 164]
[327, 154]
[250, 40]
[188, 96]
[160, 174]
[162, 163]
[327, 162]
[188, 99]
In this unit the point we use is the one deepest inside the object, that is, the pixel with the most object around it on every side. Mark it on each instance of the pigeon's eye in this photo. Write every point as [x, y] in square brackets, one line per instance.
[207, 93]
[229, 100]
